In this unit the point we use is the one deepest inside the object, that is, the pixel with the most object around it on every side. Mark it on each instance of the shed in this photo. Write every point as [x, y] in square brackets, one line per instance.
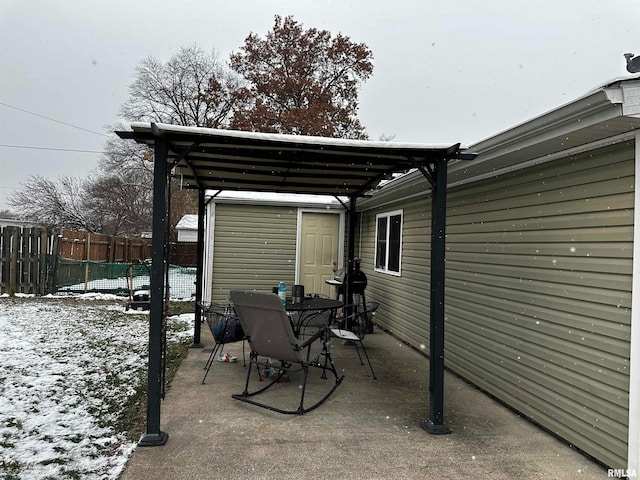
[255, 240]
[187, 228]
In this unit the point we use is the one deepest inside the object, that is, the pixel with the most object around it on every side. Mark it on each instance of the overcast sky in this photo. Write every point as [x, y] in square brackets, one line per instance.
[454, 71]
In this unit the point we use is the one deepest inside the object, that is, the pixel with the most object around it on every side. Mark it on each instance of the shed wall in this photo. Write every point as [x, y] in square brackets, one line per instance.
[538, 292]
[187, 235]
[254, 248]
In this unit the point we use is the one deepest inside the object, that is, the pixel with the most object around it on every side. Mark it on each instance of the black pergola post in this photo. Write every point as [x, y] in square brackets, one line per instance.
[351, 252]
[153, 435]
[197, 343]
[435, 424]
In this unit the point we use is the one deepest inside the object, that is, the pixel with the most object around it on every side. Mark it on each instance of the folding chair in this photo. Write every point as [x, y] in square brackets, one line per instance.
[310, 321]
[271, 338]
[361, 320]
[225, 328]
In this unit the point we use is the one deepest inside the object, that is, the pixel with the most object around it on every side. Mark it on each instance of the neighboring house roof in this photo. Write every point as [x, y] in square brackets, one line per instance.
[188, 222]
[14, 222]
[611, 111]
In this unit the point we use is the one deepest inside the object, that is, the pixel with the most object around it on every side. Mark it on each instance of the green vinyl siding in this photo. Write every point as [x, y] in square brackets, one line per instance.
[254, 248]
[538, 292]
[407, 295]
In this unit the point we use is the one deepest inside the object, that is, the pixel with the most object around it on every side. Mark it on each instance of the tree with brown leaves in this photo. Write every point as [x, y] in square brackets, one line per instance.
[300, 81]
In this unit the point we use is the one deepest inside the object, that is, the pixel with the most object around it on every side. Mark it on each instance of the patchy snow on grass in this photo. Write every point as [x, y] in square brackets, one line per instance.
[68, 368]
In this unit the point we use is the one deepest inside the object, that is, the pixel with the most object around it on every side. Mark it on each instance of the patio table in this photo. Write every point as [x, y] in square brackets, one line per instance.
[303, 313]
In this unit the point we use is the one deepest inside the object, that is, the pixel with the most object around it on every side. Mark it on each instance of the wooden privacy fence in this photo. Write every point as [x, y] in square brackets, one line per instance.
[27, 260]
[184, 254]
[32, 260]
[103, 248]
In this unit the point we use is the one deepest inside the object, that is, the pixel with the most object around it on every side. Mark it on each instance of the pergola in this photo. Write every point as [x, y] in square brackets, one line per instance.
[211, 159]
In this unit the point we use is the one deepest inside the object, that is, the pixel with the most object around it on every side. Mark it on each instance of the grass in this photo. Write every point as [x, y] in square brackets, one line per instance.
[132, 418]
[123, 413]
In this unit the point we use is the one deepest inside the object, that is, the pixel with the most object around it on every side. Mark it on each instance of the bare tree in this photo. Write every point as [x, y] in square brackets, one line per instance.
[385, 137]
[119, 196]
[58, 203]
[131, 157]
[193, 88]
[115, 199]
[120, 205]
[4, 213]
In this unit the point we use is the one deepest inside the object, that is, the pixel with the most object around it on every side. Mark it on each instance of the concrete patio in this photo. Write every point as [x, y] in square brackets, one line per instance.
[368, 429]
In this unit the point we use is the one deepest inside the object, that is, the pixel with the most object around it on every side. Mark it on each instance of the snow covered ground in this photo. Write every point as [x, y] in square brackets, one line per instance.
[67, 368]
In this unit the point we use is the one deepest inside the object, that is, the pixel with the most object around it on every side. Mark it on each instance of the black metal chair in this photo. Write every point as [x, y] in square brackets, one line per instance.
[271, 338]
[361, 322]
[225, 328]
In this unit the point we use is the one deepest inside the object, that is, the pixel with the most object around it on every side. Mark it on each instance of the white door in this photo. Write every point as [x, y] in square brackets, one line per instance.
[319, 248]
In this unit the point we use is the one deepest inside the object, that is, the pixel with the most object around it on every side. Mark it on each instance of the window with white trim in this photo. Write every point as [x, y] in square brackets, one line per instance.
[388, 252]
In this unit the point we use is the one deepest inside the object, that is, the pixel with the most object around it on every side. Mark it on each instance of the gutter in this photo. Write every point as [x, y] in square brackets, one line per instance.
[539, 139]
[582, 113]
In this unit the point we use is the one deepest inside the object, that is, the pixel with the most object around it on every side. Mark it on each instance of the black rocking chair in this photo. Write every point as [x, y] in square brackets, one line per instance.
[271, 338]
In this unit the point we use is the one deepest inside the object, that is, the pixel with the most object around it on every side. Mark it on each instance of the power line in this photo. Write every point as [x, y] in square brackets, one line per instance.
[29, 147]
[53, 119]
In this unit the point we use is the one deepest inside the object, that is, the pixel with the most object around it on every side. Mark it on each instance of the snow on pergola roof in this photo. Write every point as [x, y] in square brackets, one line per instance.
[215, 159]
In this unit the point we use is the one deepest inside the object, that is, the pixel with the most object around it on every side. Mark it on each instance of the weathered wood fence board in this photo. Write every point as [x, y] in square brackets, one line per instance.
[103, 248]
[26, 260]
[184, 254]
[29, 256]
